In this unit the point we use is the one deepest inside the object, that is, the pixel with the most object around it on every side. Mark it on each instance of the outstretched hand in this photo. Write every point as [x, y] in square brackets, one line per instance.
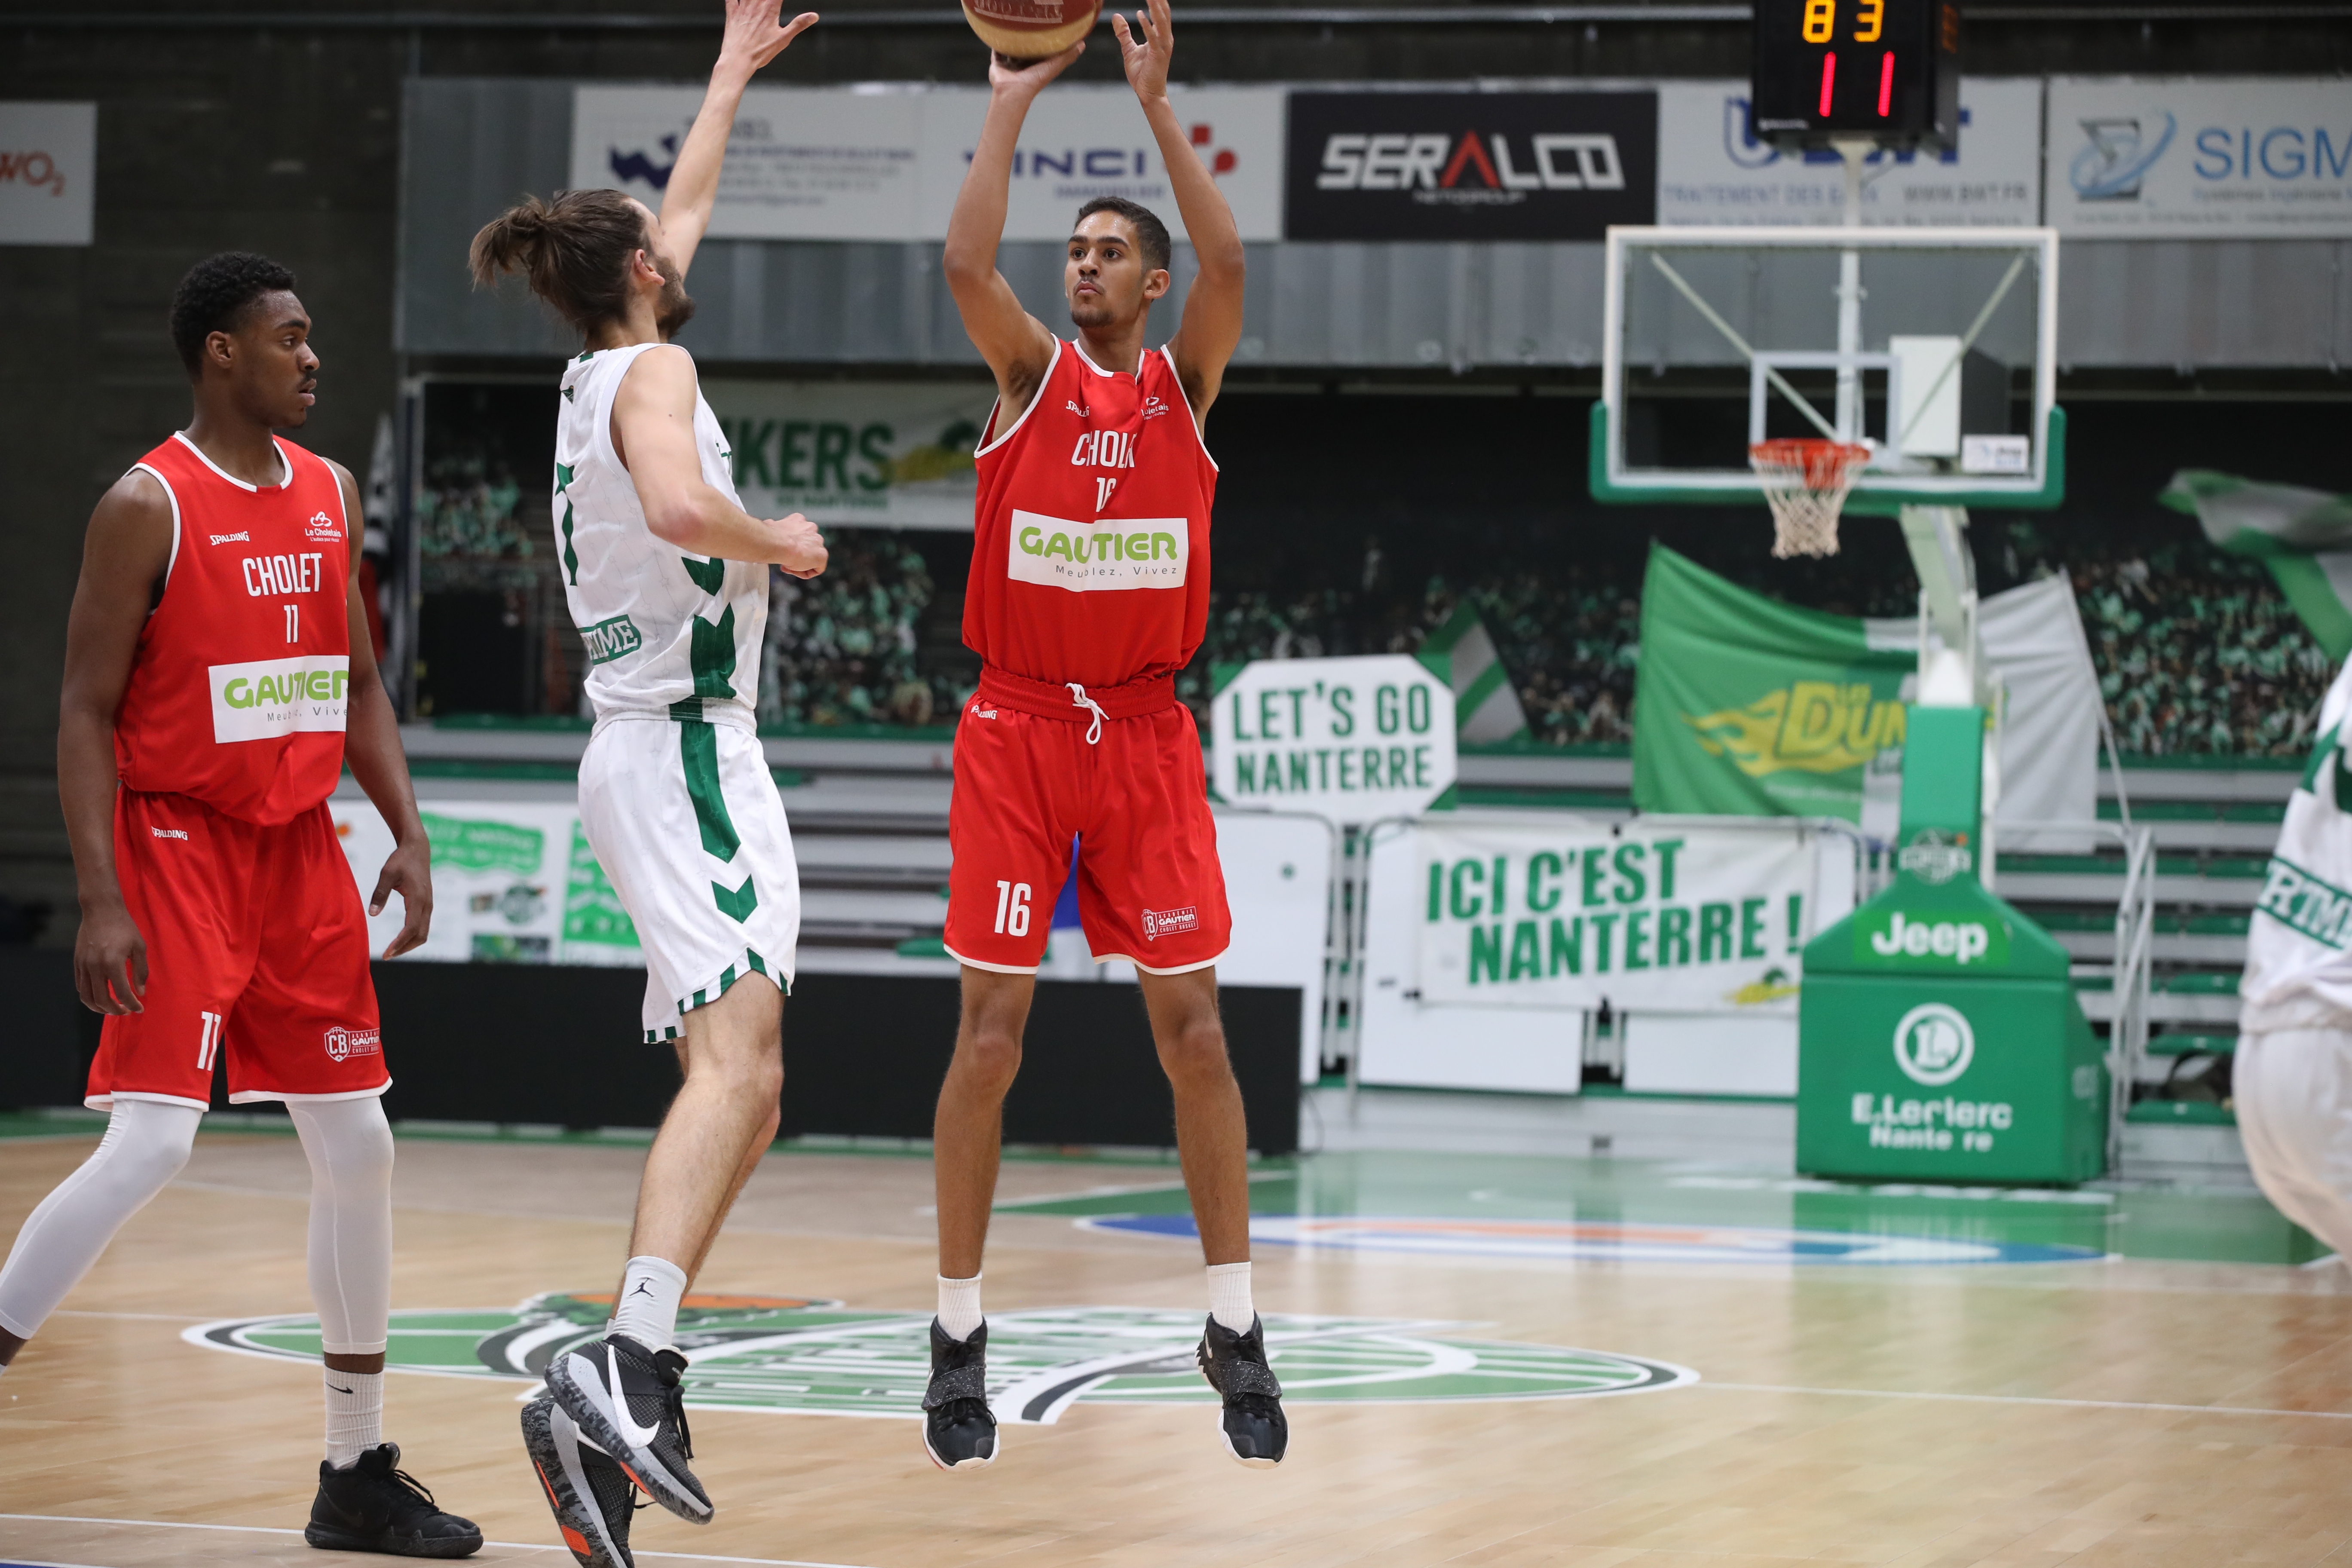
[1147, 62]
[757, 32]
[1031, 76]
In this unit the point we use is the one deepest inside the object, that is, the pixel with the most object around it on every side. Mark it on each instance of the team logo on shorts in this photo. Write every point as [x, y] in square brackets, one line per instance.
[1157, 923]
[343, 1043]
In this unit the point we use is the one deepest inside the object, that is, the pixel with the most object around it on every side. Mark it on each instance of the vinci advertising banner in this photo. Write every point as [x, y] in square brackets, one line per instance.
[512, 883]
[2201, 158]
[1682, 919]
[1747, 706]
[1469, 165]
[1712, 170]
[873, 453]
[884, 163]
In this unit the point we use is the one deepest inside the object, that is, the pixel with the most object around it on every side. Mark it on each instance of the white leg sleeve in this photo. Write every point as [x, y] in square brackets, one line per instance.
[146, 1145]
[349, 1146]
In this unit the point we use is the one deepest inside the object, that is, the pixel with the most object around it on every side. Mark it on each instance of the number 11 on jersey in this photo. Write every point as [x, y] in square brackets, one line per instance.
[293, 623]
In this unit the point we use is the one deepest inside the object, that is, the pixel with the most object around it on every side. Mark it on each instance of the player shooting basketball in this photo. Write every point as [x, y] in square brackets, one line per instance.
[1090, 591]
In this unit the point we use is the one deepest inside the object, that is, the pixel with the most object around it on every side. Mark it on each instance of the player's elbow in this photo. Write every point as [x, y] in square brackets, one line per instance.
[1224, 263]
[674, 517]
[965, 268]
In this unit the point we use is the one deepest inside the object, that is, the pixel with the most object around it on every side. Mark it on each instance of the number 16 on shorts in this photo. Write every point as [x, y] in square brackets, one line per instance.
[1012, 908]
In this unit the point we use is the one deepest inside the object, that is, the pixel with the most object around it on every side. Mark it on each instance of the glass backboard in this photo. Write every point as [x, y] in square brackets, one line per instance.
[1933, 347]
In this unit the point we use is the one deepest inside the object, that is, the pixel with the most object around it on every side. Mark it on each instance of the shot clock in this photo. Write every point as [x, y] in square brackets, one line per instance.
[1885, 71]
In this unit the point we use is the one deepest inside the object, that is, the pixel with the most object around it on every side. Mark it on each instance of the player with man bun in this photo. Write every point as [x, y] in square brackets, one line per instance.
[666, 576]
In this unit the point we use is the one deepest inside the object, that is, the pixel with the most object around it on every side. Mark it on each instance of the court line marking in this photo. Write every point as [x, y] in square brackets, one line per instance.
[501, 1545]
[2023, 1399]
[134, 1316]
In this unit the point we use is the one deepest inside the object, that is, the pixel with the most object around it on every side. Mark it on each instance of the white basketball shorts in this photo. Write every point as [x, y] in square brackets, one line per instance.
[685, 818]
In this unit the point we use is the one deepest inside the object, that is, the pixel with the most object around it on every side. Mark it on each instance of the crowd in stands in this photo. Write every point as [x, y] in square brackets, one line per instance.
[842, 648]
[2196, 652]
[468, 508]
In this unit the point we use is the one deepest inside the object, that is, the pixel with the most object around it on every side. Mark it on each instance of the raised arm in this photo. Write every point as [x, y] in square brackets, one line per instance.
[753, 37]
[124, 557]
[1211, 326]
[1017, 346]
[653, 432]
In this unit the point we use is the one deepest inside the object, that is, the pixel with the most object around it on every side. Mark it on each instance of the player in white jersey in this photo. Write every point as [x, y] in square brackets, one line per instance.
[2292, 1076]
[667, 580]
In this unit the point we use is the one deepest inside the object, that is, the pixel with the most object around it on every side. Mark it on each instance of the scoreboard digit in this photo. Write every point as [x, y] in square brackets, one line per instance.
[1885, 71]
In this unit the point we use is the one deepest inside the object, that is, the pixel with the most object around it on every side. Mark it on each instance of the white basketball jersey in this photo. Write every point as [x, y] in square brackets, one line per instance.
[2299, 939]
[669, 633]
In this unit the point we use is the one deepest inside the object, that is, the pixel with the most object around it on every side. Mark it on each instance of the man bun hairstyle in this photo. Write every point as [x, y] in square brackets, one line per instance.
[216, 292]
[574, 252]
[1151, 234]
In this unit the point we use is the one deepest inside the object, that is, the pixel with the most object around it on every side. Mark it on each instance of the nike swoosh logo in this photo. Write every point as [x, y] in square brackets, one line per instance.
[636, 1437]
[339, 1389]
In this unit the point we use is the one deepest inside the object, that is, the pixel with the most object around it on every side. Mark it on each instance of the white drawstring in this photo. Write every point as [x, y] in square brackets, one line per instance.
[1078, 699]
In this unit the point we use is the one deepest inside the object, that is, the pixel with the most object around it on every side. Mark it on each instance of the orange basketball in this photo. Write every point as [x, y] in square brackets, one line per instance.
[1031, 29]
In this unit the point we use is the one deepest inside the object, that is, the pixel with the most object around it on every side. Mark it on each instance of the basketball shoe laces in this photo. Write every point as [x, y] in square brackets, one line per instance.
[1078, 699]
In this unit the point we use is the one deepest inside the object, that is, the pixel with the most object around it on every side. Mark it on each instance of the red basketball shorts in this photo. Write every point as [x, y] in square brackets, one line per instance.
[1150, 885]
[256, 957]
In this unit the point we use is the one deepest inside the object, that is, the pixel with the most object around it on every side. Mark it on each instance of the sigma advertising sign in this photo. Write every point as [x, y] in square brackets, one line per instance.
[1350, 740]
[1469, 165]
[884, 163]
[873, 454]
[49, 168]
[1712, 170]
[1684, 920]
[2200, 158]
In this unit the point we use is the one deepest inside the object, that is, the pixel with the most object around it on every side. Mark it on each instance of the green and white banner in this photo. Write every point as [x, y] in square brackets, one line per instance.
[1748, 707]
[512, 883]
[1486, 703]
[1678, 919]
[2304, 537]
[876, 454]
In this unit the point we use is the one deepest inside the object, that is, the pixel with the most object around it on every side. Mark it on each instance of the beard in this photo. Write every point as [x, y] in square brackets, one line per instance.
[1098, 312]
[676, 306]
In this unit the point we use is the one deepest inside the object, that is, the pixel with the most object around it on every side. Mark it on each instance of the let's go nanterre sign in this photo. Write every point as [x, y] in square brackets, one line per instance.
[1349, 740]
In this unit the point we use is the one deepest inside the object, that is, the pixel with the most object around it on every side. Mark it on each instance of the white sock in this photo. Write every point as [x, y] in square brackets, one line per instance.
[1229, 1296]
[648, 1310]
[959, 1306]
[354, 1415]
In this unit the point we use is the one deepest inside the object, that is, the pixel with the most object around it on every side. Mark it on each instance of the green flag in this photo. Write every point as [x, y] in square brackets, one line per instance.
[1746, 707]
[2304, 537]
[1485, 701]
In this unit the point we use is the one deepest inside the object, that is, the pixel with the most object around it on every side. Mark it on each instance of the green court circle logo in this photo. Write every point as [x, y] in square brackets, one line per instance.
[804, 1356]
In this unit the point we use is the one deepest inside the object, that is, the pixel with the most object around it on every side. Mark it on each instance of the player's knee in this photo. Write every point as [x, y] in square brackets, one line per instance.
[989, 1057]
[1194, 1052]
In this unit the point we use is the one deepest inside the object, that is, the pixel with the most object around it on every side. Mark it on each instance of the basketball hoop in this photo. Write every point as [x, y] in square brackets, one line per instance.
[1805, 484]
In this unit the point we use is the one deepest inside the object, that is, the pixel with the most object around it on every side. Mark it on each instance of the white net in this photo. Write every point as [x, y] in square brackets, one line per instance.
[1805, 484]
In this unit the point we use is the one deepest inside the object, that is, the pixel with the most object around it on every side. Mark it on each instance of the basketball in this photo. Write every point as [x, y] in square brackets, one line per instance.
[1031, 29]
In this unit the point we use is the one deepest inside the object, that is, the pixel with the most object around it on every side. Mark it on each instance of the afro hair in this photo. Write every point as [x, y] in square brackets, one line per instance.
[214, 293]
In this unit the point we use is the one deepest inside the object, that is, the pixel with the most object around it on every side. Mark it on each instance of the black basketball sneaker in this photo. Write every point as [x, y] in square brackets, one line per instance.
[375, 1506]
[626, 1399]
[1253, 1426]
[593, 1497]
[959, 1432]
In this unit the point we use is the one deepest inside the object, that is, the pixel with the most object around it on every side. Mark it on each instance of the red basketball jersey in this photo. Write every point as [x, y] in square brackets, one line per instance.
[1091, 554]
[237, 686]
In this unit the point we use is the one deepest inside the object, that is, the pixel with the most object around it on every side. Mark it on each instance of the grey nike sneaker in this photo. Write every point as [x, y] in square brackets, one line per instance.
[593, 1497]
[1252, 1425]
[626, 1399]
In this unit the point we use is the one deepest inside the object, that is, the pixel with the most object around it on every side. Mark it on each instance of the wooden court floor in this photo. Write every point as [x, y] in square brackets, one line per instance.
[2104, 1410]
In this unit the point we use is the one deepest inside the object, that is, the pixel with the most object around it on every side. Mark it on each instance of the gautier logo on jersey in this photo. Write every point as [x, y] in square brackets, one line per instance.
[1470, 165]
[273, 697]
[343, 1043]
[1124, 553]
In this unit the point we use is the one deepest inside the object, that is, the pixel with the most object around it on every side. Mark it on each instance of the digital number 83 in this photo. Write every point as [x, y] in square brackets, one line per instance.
[1820, 21]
